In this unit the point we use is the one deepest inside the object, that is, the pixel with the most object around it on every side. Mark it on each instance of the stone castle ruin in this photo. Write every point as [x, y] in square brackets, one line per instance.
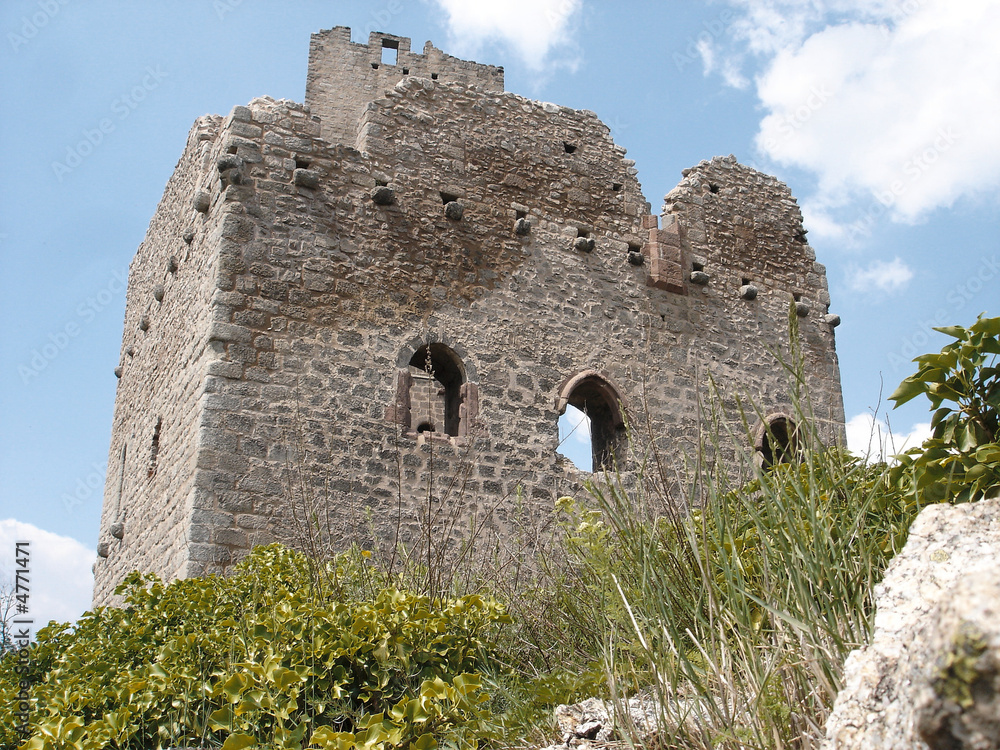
[383, 300]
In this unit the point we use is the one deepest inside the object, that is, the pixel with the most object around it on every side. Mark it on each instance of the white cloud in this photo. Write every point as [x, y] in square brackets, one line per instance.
[874, 440]
[881, 275]
[60, 583]
[534, 28]
[891, 104]
[576, 425]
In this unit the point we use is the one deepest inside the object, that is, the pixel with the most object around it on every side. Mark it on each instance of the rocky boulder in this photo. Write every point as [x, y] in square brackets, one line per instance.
[931, 676]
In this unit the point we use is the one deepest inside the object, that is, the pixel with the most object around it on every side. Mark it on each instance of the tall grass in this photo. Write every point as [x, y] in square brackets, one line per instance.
[736, 618]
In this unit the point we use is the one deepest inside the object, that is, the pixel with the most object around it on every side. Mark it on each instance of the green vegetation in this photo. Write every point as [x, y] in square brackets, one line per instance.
[962, 458]
[734, 619]
[264, 655]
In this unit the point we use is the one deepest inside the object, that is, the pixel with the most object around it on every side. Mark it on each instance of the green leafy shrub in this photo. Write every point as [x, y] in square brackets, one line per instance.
[961, 460]
[261, 658]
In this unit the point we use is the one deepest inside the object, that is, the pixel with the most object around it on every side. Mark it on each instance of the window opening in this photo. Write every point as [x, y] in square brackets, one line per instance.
[616, 186]
[390, 50]
[696, 266]
[713, 188]
[777, 443]
[569, 147]
[301, 163]
[599, 403]
[436, 389]
[434, 76]
[447, 198]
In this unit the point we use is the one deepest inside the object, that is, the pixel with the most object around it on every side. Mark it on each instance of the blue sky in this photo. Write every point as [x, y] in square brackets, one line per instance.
[882, 116]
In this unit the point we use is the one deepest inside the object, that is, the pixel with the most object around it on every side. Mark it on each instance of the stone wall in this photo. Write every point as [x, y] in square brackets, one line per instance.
[345, 76]
[164, 362]
[503, 241]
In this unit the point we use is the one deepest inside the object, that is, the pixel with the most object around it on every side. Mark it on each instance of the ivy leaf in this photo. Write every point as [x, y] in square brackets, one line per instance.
[239, 742]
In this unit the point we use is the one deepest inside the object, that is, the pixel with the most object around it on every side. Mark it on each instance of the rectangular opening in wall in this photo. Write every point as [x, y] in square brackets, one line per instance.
[520, 214]
[582, 232]
[569, 147]
[745, 281]
[797, 296]
[696, 266]
[434, 76]
[616, 186]
[448, 197]
[390, 50]
[301, 163]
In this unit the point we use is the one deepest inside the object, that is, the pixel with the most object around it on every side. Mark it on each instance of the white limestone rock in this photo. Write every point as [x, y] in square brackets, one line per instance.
[931, 676]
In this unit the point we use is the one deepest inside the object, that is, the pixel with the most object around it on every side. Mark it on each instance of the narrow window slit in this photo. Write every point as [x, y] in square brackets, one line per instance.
[569, 147]
[154, 448]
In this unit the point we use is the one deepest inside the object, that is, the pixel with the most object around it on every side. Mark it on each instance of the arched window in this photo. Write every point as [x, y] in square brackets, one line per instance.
[433, 395]
[601, 402]
[776, 440]
[436, 389]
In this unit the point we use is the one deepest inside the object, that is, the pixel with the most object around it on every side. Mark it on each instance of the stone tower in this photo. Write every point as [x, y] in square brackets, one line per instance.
[381, 301]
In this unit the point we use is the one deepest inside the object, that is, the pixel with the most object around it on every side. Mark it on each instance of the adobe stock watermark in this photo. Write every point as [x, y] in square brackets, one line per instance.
[58, 341]
[958, 297]
[86, 487]
[380, 18]
[223, 8]
[712, 29]
[787, 124]
[913, 168]
[31, 25]
[121, 106]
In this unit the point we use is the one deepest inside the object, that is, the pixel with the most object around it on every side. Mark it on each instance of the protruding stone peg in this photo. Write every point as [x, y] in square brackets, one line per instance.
[202, 201]
[699, 277]
[832, 320]
[454, 210]
[748, 291]
[102, 549]
[172, 264]
[118, 372]
[144, 323]
[802, 308]
[383, 195]
[522, 227]
[158, 292]
[636, 258]
[307, 178]
[584, 244]
[117, 530]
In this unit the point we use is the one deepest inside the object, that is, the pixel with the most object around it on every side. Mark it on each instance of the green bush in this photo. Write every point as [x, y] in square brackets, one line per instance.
[261, 658]
[961, 460]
